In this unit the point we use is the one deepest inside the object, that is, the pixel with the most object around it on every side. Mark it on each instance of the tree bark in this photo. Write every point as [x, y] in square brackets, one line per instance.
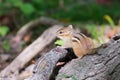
[46, 64]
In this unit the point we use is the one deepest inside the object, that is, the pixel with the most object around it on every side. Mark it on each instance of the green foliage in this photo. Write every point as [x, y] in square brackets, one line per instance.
[27, 8]
[72, 10]
[6, 45]
[74, 78]
[97, 33]
[3, 30]
[93, 30]
[24, 7]
[15, 3]
[59, 42]
[110, 20]
[67, 76]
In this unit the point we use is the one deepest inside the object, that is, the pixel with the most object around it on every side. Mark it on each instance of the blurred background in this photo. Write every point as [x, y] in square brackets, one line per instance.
[22, 11]
[98, 19]
[15, 13]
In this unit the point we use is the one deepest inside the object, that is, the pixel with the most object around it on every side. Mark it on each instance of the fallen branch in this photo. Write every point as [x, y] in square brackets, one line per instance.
[41, 20]
[16, 41]
[26, 55]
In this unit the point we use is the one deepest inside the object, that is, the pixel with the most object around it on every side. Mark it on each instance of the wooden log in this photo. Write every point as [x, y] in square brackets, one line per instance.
[46, 64]
[104, 65]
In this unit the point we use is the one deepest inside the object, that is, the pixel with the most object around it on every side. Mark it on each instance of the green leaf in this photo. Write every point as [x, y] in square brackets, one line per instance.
[3, 30]
[63, 76]
[6, 45]
[18, 4]
[94, 31]
[68, 76]
[27, 8]
[74, 78]
[59, 42]
[110, 20]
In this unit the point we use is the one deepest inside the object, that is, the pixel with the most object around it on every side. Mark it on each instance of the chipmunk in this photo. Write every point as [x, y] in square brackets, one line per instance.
[80, 43]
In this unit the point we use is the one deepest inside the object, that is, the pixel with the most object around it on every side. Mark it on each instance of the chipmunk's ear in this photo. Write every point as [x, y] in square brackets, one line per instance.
[70, 27]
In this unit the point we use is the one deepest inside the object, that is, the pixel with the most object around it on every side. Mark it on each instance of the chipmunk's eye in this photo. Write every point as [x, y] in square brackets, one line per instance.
[60, 32]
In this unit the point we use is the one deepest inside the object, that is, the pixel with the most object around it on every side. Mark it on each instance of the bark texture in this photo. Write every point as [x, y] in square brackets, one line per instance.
[104, 65]
[46, 64]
